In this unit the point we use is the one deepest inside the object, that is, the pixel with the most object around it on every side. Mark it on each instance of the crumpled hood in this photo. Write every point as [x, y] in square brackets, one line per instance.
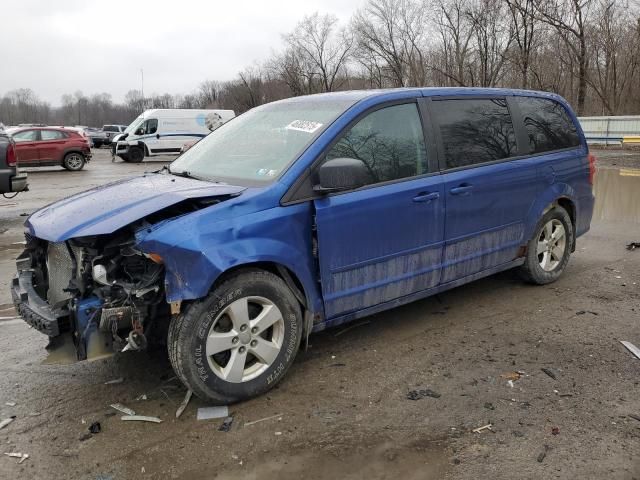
[107, 208]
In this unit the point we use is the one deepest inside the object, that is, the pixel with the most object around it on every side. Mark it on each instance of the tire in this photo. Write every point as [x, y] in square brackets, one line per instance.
[224, 356]
[73, 161]
[135, 155]
[545, 261]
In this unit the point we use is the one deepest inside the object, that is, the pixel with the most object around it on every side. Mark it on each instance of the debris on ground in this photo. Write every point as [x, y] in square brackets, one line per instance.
[85, 436]
[510, 383]
[207, 413]
[418, 394]
[95, 427]
[555, 431]
[140, 418]
[10, 404]
[115, 381]
[582, 312]
[633, 245]
[226, 424]
[631, 415]
[263, 419]
[511, 376]
[489, 406]
[483, 428]
[185, 402]
[123, 409]
[141, 397]
[351, 327]
[631, 347]
[549, 372]
[543, 454]
[21, 456]
[7, 421]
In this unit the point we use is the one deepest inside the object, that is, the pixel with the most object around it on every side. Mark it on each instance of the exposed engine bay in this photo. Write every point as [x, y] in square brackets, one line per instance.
[104, 293]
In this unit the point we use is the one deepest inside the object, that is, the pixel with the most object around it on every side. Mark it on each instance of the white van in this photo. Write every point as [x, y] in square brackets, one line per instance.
[165, 131]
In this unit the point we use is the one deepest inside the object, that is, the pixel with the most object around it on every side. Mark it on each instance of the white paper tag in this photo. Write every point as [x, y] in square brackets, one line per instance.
[303, 126]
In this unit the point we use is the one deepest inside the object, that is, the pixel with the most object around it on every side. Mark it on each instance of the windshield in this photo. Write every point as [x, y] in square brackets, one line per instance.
[258, 145]
[134, 125]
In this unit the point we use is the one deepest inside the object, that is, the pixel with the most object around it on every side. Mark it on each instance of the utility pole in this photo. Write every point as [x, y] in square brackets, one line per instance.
[142, 88]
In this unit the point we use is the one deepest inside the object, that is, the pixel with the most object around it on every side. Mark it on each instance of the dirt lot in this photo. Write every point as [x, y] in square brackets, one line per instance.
[343, 410]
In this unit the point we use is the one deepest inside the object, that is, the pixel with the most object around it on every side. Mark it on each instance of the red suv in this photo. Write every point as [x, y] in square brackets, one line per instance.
[46, 146]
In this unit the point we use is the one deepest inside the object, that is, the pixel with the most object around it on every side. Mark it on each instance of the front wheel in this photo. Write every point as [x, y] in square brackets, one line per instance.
[136, 155]
[549, 250]
[239, 341]
[73, 161]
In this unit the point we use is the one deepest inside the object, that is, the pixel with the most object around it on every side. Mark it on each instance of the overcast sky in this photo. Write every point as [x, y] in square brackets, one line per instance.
[60, 46]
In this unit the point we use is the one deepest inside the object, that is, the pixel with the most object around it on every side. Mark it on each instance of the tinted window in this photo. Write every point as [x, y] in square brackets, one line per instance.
[26, 136]
[389, 141]
[110, 128]
[151, 126]
[475, 131]
[51, 135]
[547, 124]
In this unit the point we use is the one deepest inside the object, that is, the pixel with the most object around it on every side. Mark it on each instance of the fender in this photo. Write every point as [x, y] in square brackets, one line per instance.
[545, 199]
[197, 249]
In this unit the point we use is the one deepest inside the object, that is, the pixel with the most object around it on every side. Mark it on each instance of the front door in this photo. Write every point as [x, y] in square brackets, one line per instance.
[383, 241]
[487, 195]
[27, 147]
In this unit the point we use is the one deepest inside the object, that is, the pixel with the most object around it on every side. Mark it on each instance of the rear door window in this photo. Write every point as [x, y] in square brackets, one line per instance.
[389, 141]
[51, 135]
[547, 124]
[474, 131]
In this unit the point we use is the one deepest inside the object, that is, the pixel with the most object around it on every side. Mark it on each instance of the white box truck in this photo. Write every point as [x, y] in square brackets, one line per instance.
[165, 131]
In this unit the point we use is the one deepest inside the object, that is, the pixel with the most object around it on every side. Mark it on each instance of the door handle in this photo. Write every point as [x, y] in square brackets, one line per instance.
[463, 189]
[423, 197]
[158, 136]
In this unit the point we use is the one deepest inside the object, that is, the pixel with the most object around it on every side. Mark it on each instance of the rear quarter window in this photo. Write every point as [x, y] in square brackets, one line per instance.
[475, 131]
[547, 124]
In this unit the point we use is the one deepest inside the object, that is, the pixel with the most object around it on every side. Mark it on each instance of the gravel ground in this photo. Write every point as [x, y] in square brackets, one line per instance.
[343, 411]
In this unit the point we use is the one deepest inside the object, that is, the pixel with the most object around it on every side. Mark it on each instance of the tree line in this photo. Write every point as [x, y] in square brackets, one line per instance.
[586, 50]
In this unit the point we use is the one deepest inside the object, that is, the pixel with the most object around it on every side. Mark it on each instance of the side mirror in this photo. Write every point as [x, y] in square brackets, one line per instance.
[140, 131]
[341, 174]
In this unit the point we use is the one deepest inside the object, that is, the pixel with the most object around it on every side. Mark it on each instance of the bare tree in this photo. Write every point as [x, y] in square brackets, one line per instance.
[322, 51]
[526, 35]
[569, 18]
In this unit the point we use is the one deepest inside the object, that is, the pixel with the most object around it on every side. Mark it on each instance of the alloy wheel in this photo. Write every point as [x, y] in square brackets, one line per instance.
[245, 339]
[552, 244]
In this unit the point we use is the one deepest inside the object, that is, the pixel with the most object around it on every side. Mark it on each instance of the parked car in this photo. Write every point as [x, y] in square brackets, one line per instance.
[110, 131]
[97, 138]
[47, 146]
[303, 214]
[11, 180]
[164, 131]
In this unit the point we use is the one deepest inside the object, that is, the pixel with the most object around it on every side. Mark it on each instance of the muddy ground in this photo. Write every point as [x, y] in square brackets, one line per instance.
[343, 410]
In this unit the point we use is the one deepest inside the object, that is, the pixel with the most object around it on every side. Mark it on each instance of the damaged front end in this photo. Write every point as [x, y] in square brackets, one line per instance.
[92, 295]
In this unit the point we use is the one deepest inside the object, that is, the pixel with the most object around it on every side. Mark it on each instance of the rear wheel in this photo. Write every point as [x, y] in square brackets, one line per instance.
[239, 341]
[73, 161]
[136, 155]
[549, 250]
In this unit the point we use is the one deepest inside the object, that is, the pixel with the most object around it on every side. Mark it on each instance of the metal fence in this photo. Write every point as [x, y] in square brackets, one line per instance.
[611, 130]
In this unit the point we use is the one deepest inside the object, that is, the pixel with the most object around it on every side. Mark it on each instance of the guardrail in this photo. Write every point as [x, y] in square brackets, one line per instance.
[631, 140]
[611, 130]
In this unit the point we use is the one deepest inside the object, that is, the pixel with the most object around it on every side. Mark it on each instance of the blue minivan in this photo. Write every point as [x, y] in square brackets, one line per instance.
[303, 214]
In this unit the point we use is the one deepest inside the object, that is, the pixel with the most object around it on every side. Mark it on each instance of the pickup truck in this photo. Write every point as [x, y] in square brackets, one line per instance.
[10, 179]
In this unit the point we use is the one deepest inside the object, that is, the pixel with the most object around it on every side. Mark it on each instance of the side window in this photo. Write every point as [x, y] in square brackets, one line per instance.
[26, 136]
[547, 124]
[475, 131]
[109, 128]
[389, 141]
[151, 126]
[51, 135]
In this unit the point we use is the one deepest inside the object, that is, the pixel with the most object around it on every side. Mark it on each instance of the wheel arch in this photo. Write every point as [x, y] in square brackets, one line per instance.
[561, 195]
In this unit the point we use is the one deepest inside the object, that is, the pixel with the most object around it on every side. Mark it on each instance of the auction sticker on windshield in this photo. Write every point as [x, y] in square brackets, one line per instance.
[303, 126]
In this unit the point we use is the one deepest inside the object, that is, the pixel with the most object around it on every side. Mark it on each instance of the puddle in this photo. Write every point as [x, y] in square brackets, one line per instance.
[617, 195]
